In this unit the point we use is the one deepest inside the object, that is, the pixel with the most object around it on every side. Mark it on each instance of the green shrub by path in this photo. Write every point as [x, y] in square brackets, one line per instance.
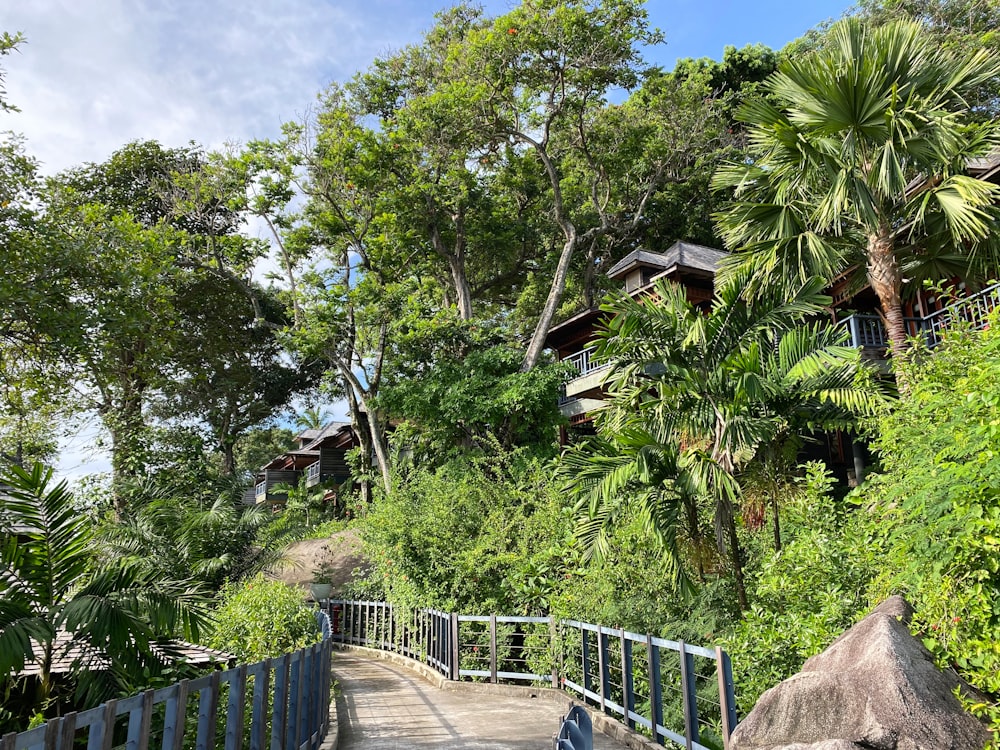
[936, 506]
[259, 618]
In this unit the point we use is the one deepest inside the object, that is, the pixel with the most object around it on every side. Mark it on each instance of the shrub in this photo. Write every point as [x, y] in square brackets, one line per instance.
[260, 618]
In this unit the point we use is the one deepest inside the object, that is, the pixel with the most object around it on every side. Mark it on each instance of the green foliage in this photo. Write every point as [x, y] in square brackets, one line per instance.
[936, 506]
[54, 580]
[260, 618]
[461, 388]
[809, 593]
[479, 535]
[869, 133]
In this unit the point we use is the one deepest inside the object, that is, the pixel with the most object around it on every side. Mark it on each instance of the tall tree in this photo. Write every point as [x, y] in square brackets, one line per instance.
[535, 79]
[859, 167]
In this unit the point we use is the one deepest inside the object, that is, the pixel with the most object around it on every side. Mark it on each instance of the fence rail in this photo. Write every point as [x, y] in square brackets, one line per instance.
[868, 331]
[288, 699]
[669, 690]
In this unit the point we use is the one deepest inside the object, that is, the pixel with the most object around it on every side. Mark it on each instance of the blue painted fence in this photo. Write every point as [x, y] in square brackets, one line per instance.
[288, 699]
[669, 690]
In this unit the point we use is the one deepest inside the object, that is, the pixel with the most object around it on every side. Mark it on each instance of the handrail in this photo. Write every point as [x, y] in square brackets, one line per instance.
[584, 363]
[868, 331]
[289, 709]
[687, 690]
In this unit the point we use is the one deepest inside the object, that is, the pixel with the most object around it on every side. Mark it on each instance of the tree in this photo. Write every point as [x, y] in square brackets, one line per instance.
[696, 398]
[859, 168]
[8, 43]
[54, 581]
[533, 81]
[960, 25]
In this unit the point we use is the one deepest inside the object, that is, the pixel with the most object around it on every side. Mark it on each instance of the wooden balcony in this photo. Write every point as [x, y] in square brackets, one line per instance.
[868, 332]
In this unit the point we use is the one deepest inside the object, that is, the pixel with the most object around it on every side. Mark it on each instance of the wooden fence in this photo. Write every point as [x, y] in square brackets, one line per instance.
[288, 700]
[669, 690]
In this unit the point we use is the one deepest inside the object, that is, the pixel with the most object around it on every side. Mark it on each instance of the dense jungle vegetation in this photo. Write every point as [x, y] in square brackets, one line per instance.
[430, 221]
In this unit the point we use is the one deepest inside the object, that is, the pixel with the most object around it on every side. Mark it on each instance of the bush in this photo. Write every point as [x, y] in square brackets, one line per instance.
[936, 507]
[475, 535]
[259, 618]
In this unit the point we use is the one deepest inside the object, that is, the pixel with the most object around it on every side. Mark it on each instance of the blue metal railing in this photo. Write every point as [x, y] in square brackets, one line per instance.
[288, 697]
[867, 330]
[670, 690]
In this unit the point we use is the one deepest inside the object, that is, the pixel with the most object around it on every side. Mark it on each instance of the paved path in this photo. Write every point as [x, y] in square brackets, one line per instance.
[391, 707]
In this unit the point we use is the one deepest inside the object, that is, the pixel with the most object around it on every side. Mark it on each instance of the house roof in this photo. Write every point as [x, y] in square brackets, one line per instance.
[67, 652]
[329, 430]
[680, 255]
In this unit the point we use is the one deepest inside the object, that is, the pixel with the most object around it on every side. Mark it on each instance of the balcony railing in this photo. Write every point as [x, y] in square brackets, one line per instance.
[868, 332]
[973, 310]
[584, 363]
[312, 474]
[261, 489]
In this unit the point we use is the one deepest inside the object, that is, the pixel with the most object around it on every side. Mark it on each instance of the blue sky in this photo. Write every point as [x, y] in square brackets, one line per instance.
[97, 74]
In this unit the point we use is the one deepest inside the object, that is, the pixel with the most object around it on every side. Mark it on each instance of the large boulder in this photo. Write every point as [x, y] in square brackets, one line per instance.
[876, 687]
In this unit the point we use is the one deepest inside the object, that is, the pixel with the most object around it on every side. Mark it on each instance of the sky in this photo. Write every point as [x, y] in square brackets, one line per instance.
[96, 74]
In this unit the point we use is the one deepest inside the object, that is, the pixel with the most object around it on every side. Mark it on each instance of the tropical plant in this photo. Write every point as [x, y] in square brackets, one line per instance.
[52, 583]
[260, 618]
[695, 398]
[206, 535]
[858, 167]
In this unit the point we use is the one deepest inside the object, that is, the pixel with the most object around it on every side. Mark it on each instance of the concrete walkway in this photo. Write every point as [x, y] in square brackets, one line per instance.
[390, 707]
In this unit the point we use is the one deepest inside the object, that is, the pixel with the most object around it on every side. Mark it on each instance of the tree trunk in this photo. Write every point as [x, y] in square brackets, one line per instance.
[887, 283]
[777, 520]
[537, 343]
[228, 459]
[736, 555]
[463, 292]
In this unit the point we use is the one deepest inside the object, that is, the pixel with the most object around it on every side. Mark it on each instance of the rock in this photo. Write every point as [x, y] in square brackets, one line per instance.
[876, 687]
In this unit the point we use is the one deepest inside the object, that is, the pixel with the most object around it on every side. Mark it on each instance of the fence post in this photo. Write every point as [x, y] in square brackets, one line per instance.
[455, 653]
[727, 694]
[602, 667]
[236, 709]
[655, 688]
[108, 726]
[68, 730]
[258, 716]
[493, 648]
[279, 705]
[585, 662]
[208, 709]
[689, 695]
[553, 644]
[173, 718]
[628, 684]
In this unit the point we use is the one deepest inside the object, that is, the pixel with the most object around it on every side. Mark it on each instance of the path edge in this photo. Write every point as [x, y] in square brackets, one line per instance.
[605, 724]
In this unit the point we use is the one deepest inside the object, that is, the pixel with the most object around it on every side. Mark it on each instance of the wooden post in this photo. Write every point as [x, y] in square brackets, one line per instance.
[52, 734]
[585, 662]
[689, 696]
[603, 667]
[294, 701]
[628, 684]
[108, 725]
[236, 709]
[727, 694]
[208, 710]
[173, 718]
[258, 717]
[555, 656]
[279, 706]
[67, 731]
[493, 648]
[655, 688]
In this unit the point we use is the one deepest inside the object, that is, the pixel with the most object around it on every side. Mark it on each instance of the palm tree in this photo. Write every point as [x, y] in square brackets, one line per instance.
[52, 582]
[695, 398]
[856, 165]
